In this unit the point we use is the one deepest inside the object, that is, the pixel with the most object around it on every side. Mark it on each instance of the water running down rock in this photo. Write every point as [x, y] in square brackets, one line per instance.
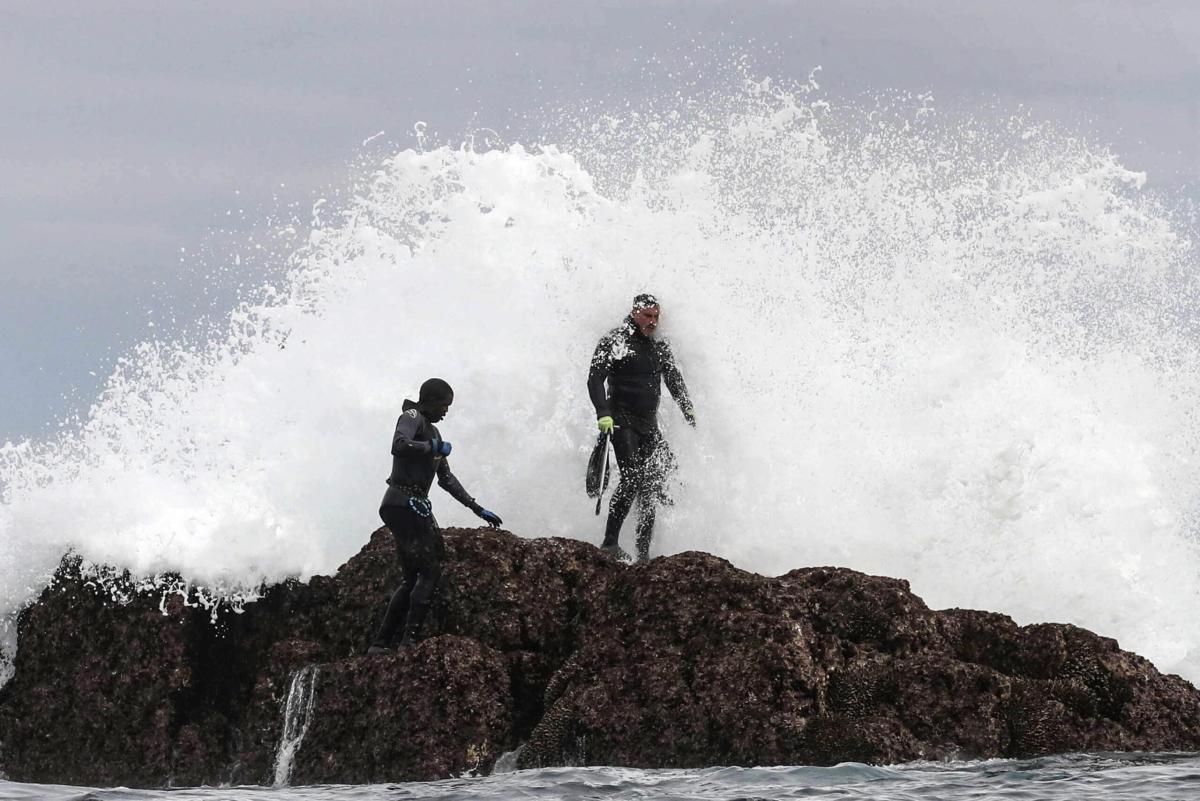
[297, 712]
[683, 662]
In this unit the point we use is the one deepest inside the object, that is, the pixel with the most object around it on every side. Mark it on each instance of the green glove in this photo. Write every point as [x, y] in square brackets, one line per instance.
[690, 416]
[605, 424]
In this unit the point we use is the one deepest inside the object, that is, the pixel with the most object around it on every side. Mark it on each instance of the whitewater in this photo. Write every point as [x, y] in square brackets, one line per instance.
[1113, 777]
[957, 352]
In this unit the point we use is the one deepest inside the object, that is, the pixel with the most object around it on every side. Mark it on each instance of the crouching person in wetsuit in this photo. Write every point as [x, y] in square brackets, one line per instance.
[634, 365]
[418, 453]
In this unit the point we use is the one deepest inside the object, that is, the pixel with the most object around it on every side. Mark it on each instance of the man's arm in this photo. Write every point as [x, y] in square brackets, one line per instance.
[602, 361]
[404, 442]
[674, 381]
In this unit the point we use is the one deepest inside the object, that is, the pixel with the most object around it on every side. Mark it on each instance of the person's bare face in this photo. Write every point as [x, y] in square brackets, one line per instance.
[646, 320]
[437, 413]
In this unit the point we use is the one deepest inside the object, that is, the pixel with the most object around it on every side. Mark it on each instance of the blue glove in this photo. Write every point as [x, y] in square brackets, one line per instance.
[439, 447]
[491, 518]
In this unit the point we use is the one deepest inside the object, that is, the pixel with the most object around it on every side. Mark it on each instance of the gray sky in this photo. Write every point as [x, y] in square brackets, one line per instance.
[128, 130]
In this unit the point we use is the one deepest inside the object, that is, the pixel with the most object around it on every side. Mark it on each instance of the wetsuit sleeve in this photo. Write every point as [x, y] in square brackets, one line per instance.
[673, 378]
[450, 483]
[404, 441]
[602, 361]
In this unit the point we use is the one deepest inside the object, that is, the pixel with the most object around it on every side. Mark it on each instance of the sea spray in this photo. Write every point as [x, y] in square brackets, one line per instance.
[959, 353]
[297, 714]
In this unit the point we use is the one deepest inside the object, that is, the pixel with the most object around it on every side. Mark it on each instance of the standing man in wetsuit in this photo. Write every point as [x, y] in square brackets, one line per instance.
[418, 453]
[634, 364]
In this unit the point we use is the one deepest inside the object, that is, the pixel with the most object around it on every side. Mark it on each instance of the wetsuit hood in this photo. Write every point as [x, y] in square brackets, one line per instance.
[644, 301]
[434, 392]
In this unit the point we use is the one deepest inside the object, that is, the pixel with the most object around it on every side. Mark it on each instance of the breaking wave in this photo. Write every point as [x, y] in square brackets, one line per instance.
[960, 353]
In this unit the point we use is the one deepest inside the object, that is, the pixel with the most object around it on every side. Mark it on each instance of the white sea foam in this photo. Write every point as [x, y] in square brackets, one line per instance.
[959, 354]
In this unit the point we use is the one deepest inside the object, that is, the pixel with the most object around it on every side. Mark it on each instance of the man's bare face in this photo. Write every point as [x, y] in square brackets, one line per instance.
[646, 320]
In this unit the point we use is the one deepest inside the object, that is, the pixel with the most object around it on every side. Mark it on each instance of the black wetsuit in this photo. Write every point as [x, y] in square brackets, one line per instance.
[634, 367]
[406, 510]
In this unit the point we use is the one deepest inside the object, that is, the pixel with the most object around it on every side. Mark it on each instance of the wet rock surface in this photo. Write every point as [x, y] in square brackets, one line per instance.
[441, 708]
[550, 645]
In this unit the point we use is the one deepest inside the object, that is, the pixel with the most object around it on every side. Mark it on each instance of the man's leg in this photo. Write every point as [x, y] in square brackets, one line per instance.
[657, 461]
[624, 442]
[645, 528]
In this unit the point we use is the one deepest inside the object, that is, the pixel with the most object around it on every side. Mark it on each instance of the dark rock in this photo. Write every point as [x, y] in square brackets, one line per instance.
[109, 692]
[524, 598]
[682, 662]
[830, 739]
[953, 707]
[101, 688]
[255, 747]
[995, 641]
[686, 661]
[866, 613]
[441, 708]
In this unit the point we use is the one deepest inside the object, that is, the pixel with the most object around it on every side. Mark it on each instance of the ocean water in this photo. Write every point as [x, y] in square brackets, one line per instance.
[1100, 777]
[959, 352]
